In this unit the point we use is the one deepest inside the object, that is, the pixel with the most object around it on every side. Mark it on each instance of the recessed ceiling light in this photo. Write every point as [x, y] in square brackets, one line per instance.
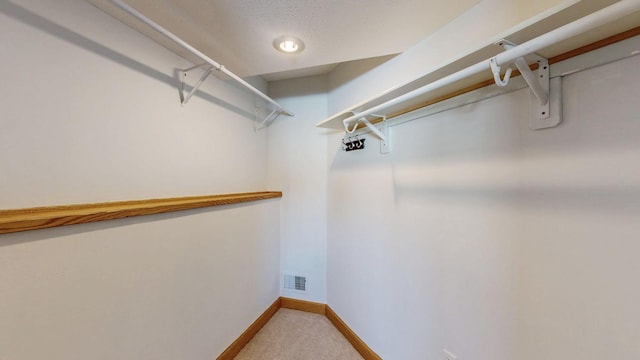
[288, 44]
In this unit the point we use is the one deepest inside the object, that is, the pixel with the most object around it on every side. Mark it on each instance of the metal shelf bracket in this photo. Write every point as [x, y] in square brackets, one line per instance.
[545, 99]
[382, 133]
[186, 96]
[273, 115]
[209, 65]
[184, 99]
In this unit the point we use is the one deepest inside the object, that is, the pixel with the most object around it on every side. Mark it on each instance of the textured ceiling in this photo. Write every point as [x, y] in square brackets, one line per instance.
[239, 33]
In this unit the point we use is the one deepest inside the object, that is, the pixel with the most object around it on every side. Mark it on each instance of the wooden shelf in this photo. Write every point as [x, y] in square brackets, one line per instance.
[53, 216]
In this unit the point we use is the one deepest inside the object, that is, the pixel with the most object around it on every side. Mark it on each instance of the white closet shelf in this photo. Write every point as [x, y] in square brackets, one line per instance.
[581, 25]
[209, 65]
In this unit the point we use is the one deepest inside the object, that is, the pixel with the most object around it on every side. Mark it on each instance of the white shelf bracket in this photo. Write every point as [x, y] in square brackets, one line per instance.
[382, 133]
[273, 115]
[208, 61]
[346, 125]
[495, 69]
[184, 99]
[545, 99]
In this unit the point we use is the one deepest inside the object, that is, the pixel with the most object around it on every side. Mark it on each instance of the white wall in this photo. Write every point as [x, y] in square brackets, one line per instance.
[174, 286]
[493, 241]
[92, 101]
[90, 112]
[298, 166]
[475, 234]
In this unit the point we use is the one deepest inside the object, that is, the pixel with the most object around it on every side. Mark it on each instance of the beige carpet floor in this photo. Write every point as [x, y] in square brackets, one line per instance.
[298, 335]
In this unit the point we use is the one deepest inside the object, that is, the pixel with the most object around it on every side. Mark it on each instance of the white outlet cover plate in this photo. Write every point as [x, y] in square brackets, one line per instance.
[448, 355]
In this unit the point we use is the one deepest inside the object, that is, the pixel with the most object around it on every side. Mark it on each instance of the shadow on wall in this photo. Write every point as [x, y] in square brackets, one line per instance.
[485, 152]
[504, 175]
[602, 200]
[36, 21]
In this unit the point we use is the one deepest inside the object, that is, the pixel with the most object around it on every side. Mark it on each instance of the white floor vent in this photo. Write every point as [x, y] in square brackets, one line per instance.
[295, 283]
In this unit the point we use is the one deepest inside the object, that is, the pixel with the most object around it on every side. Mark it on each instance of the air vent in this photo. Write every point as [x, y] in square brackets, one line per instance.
[294, 282]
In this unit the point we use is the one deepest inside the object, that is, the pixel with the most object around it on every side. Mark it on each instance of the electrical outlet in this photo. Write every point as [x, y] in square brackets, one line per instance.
[448, 355]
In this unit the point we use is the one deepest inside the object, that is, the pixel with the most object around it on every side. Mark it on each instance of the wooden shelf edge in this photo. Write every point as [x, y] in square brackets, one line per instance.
[53, 216]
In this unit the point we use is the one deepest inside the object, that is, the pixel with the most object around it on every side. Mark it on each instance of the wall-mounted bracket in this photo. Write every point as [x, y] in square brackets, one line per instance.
[382, 133]
[208, 69]
[208, 61]
[184, 99]
[259, 125]
[545, 100]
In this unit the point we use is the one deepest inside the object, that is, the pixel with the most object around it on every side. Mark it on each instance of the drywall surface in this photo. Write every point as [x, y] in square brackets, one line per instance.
[493, 241]
[90, 112]
[93, 112]
[486, 22]
[298, 167]
[176, 286]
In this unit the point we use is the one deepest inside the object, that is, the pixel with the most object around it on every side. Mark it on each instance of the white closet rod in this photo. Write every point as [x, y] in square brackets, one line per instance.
[124, 6]
[598, 18]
